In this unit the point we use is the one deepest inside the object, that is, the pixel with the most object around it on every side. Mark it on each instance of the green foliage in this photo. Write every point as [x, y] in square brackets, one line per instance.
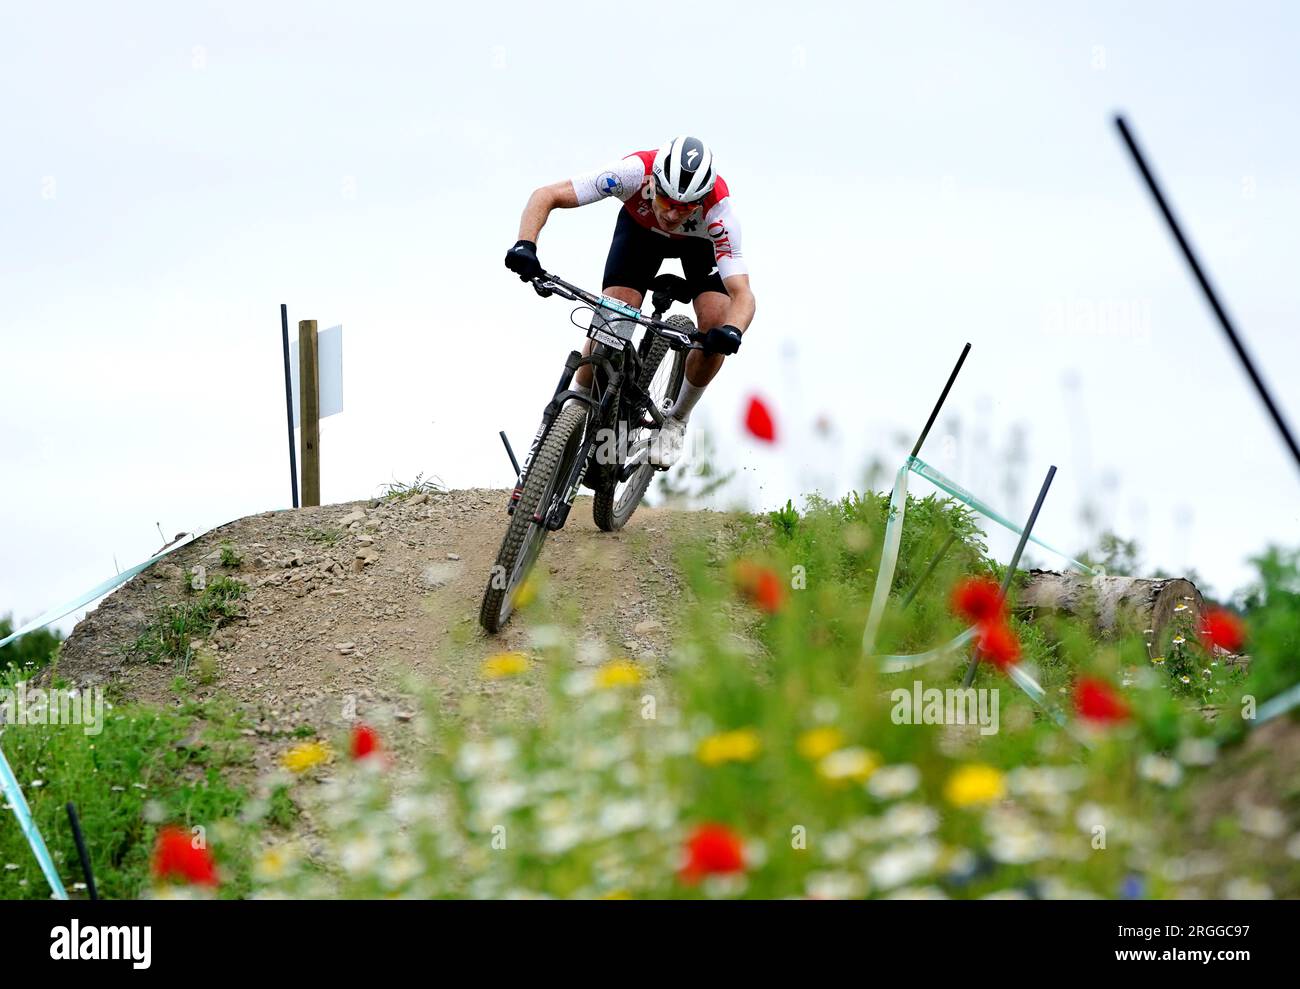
[396, 489]
[168, 637]
[326, 537]
[148, 766]
[230, 557]
[33, 651]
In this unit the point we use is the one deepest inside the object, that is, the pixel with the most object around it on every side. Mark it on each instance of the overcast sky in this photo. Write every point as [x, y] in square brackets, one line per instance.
[909, 177]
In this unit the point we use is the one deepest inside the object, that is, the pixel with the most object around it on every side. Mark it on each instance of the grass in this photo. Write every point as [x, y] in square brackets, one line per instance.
[169, 637]
[396, 489]
[324, 537]
[148, 766]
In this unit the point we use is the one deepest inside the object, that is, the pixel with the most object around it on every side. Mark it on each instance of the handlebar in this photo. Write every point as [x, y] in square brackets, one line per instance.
[547, 284]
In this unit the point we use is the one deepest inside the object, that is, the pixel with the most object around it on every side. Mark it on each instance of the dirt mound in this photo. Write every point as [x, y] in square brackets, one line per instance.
[345, 601]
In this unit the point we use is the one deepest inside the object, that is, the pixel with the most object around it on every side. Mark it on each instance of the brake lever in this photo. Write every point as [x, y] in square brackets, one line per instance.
[540, 288]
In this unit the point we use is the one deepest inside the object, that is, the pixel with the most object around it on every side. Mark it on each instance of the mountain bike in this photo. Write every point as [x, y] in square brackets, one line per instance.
[600, 440]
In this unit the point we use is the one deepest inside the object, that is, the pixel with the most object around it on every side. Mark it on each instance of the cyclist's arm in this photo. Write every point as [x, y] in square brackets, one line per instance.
[723, 227]
[557, 195]
[619, 179]
[740, 313]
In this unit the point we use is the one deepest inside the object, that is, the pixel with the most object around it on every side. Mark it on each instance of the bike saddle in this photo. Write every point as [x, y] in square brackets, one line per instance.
[673, 287]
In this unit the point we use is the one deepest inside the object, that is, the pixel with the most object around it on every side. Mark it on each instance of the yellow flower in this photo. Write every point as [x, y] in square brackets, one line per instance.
[527, 591]
[505, 664]
[817, 743]
[619, 673]
[1158, 660]
[855, 763]
[617, 894]
[975, 784]
[303, 757]
[741, 745]
[274, 863]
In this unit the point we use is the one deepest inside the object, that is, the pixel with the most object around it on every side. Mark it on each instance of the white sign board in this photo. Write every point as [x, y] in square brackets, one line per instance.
[329, 373]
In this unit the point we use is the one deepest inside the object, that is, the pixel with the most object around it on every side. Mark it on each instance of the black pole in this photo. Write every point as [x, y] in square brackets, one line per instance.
[1011, 570]
[510, 453]
[1204, 282]
[82, 853]
[942, 397]
[934, 562]
[288, 402]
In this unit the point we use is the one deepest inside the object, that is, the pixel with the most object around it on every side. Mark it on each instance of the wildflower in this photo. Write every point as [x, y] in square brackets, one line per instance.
[175, 856]
[817, 743]
[760, 585]
[505, 664]
[1220, 627]
[855, 764]
[526, 592]
[1242, 888]
[978, 599]
[741, 745]
[1095, 700]
[998, 644]
[365, 741]
[1179, 639]
[274, 863]
[303, 757]
[712, 849]
[1185, 678]
[1266, 822]
[758, 421]
[904, 863]
[891, 782]
[1197, 752]
[975, 784]
[1158, 660]
[1160, 770]
[619, 673]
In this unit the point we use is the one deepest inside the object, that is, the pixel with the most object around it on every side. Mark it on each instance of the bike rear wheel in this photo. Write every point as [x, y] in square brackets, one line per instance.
[662, 370]
[523, 541]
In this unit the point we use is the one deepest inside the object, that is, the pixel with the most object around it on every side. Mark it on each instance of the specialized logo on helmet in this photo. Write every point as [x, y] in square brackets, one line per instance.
[684, 169]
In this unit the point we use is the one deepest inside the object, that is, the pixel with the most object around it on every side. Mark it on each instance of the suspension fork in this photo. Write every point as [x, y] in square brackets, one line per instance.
[558, 511]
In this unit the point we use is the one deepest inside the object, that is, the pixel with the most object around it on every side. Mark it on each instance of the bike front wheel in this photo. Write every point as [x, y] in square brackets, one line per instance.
[661, 377]
[527, 532]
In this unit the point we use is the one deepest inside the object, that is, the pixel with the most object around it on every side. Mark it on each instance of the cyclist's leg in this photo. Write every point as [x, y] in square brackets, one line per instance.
[711, 304]
[633, 261]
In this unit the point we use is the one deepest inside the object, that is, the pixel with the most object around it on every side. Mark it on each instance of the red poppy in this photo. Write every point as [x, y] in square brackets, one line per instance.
[175, 856]
[999, 645]
[712, 849]
[365, 741]
[979, 599]
[759, 422]
[761, 585]
[1220, 627]
[1096, 700]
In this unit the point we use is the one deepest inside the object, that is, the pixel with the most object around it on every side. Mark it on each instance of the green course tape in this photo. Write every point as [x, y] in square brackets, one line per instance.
[13, 793]
[922, 469]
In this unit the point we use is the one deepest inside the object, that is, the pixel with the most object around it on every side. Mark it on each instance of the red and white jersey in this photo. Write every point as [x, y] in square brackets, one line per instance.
[632, 181]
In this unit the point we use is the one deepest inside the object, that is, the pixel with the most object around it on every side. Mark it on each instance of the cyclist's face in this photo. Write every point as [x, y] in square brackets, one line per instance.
[670, 213]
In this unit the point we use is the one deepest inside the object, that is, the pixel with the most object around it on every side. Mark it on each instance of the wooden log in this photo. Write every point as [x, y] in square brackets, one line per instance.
[1118, 605]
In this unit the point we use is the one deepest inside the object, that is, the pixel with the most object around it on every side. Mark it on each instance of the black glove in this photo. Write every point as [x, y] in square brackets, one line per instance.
[722, 340]
[522, 260]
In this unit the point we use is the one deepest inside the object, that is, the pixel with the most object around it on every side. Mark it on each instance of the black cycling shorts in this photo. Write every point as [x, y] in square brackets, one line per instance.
[636, 253]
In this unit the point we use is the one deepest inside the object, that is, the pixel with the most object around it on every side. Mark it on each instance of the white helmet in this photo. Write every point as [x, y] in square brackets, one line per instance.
[684, 170]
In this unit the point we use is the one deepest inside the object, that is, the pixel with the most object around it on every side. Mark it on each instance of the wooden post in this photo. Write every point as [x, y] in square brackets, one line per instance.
[309, 412]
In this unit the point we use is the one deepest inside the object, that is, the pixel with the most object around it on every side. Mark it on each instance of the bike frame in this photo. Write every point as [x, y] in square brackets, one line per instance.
[614, 362]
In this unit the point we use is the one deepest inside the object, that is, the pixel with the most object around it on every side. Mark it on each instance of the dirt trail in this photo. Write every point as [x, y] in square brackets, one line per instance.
[346, 601]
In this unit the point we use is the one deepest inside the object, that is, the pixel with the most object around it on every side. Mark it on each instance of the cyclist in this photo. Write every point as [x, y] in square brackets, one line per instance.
[675, 205]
